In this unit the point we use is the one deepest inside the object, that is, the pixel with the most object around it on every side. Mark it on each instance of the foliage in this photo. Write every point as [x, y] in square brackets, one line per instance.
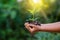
[13, 16]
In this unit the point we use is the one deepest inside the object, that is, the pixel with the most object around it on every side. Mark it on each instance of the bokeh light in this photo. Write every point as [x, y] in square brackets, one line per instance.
[36, 1]
[36, 5]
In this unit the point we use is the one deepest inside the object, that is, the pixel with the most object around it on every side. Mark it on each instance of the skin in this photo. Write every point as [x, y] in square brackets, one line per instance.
[51, 27]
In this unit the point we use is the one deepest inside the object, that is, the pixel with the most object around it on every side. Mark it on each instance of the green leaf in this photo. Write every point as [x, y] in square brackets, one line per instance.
[13, 14]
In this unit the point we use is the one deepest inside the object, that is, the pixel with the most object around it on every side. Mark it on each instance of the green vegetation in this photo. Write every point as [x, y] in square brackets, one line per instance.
[13, 15]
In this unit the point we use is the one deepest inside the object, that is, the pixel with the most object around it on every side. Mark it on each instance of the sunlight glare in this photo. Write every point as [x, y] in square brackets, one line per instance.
[35, 1]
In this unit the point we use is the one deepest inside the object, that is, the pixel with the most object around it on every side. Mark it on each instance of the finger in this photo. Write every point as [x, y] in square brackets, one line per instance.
[32, 25]
[31, 30]
[28, 26]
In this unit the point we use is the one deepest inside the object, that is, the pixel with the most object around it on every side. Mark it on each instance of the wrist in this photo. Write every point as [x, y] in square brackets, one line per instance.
[42, 27]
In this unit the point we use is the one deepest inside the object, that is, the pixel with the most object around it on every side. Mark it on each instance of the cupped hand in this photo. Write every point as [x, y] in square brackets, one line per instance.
[32, 28]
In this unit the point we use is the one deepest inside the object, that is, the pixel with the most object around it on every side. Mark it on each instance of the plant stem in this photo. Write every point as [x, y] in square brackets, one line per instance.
[33, 17]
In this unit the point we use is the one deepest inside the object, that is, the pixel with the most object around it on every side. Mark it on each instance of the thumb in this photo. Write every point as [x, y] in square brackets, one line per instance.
[31, 30]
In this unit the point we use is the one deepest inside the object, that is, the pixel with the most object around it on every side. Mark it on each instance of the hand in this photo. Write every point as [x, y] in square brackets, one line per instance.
[32, 28]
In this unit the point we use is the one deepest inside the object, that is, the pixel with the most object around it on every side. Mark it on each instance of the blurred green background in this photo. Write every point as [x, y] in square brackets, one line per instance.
[13, 15]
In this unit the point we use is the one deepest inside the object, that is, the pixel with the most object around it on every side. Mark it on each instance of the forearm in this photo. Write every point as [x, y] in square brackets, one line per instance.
[52, 27]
